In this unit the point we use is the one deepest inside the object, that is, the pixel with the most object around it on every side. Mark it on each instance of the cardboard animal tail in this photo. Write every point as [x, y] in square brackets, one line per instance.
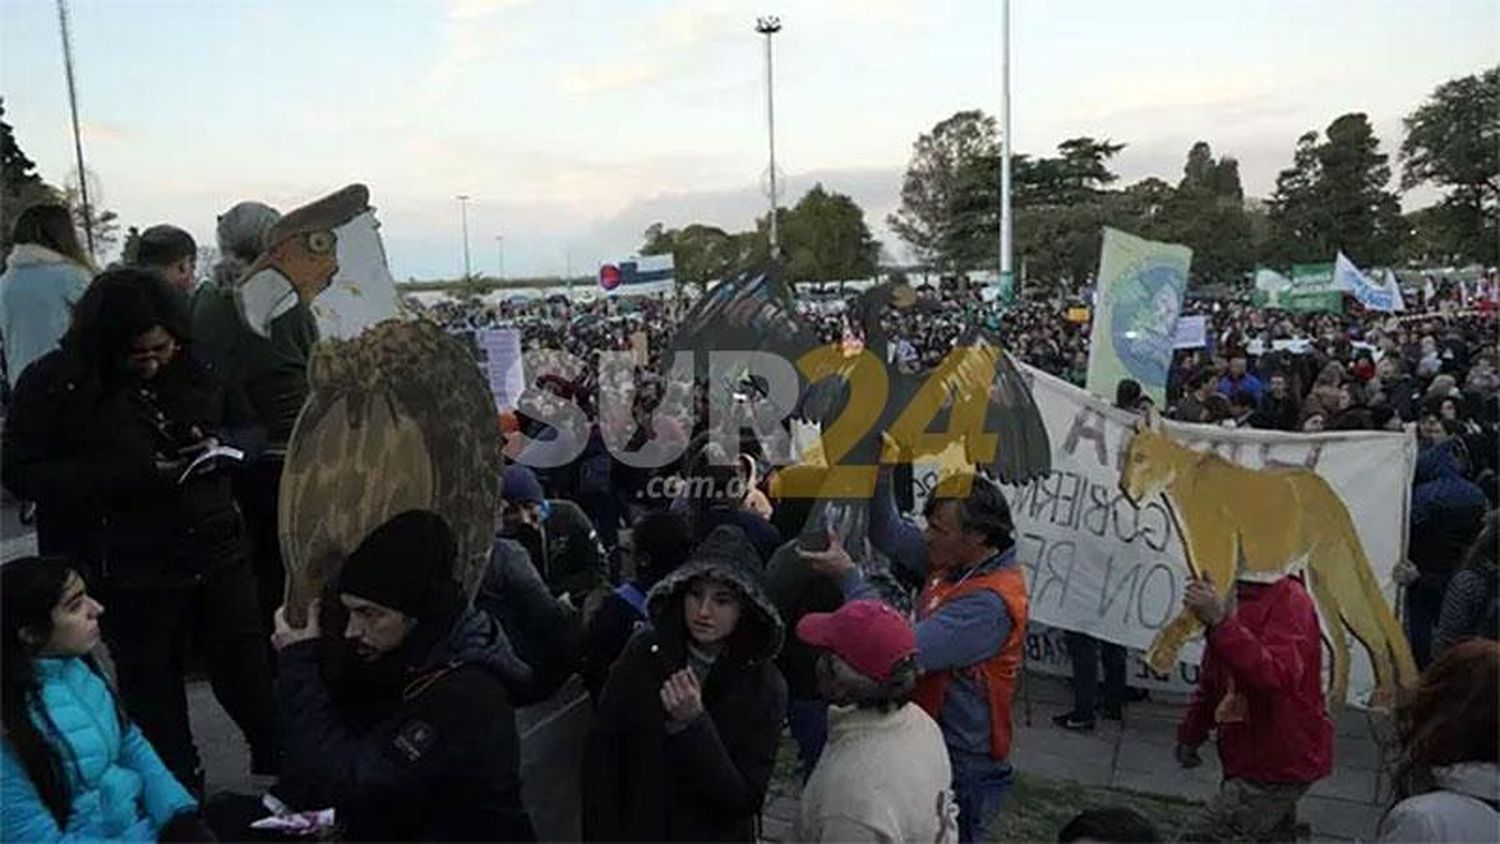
[1398, 646]
[1361, 606]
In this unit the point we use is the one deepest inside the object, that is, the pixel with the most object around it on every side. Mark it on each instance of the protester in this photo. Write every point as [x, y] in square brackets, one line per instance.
[1448, 785]
[1240, 378]
[247, 360]
[242, 233]
[72, 765]
[971, 621]
[660, 543]
[556, 533]
[685, 733]
[1471, 604]
[1086, 652]
[1108, 825]
[1260, 689]
[884, 774]
[544, 629]
[46, 272]
[416, 738]
[1447, 513]
[103, 436]
[719, 483]
[171, 252]
[1194, 405]
[1278, 408]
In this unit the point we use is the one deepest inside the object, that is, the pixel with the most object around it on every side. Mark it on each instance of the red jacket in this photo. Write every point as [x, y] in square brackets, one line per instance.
[1261, 685]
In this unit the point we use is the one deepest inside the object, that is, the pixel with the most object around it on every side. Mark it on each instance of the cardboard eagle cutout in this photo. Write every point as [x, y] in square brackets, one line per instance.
[398, 418]
[327, 255]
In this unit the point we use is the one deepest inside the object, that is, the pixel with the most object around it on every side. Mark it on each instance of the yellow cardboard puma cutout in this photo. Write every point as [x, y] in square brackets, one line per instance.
[1233, 520]
[398, 418]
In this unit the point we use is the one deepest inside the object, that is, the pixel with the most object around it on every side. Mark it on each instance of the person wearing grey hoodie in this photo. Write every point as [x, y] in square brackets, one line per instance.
[685, 735]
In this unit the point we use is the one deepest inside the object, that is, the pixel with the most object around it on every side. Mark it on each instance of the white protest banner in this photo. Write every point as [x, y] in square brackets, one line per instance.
[1192, 332]
[1097, 564]
[1376, 297]
[501, 348]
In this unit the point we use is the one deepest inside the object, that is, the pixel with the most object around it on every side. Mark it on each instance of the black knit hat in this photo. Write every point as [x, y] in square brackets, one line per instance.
[406, 564]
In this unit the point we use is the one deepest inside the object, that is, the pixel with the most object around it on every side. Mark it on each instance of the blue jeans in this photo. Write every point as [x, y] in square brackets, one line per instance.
[808, 720]
[980, 784]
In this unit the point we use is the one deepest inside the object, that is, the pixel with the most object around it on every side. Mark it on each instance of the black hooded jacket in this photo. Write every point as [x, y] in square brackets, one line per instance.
[705, 781]
[83, 450]
[435, 757]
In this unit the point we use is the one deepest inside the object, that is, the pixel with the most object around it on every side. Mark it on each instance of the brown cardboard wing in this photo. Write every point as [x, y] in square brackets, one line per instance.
[398, 418]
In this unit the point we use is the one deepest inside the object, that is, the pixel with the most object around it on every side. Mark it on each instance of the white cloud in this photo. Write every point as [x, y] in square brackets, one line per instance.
[610, 76]
[471, 30]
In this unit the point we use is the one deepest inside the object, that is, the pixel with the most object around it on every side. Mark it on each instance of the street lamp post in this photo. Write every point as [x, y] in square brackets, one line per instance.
[463, 210]
[768, 26]
[1007, 277]
[500, 256]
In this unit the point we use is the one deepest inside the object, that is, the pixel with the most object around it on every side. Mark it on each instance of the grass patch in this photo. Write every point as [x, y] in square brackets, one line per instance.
[1038, 807]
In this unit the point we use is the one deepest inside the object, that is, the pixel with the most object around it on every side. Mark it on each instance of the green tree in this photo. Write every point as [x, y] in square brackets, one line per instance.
[942, 215]
[1207, 213]
[824, 238]
[1335, 198]
[700, 253]
[1061, 203]
[105, 223]
[1298, 227]
[20, 186]
[1453, 142]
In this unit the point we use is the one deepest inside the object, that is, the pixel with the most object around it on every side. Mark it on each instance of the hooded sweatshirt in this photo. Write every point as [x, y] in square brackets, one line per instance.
[1446, 512]
[648, 778]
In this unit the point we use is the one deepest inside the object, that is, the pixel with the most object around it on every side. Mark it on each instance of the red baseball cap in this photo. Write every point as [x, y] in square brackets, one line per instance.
[868, 635]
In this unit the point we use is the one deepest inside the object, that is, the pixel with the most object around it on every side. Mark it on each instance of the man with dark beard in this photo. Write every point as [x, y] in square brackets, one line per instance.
[407, 727]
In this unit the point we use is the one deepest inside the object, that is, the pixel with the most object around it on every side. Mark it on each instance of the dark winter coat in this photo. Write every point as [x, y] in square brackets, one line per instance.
[608, 630]
[438, 759]
[705, 781]
[544, 630]
[84, 451]
[1447, 511]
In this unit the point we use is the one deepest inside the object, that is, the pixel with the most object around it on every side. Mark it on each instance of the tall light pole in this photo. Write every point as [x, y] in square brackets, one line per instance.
[463, 210]
[83, 181]
[1007, 276]
[500, 255]
[768, 26]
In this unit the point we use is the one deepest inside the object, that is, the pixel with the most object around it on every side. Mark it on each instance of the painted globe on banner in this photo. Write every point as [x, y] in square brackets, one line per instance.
[1143, 320]
[609, 276]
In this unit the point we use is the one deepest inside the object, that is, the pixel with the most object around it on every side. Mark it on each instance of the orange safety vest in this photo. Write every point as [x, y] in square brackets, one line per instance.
[996, 675]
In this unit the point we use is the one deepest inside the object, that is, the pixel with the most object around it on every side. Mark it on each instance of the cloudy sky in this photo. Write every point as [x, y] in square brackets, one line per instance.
[574, 124]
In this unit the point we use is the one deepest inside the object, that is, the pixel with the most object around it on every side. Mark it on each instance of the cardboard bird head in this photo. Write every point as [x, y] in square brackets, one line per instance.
[397, 419]
[328, 256]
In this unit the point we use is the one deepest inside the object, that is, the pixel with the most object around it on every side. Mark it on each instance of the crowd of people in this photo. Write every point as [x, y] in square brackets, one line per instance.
[702, 623]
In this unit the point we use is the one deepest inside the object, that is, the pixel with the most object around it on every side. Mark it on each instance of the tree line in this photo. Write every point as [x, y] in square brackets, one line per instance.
[1335, 196]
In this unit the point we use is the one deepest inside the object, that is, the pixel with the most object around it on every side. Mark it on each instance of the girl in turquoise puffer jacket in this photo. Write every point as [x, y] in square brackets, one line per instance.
[72, 766]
